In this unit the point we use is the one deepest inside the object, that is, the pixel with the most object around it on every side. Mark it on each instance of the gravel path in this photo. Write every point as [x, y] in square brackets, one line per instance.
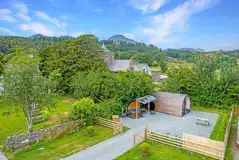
[107, 150]
[2, 156]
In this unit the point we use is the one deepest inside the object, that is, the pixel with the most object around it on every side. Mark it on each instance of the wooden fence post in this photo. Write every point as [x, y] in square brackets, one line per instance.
[145, 133]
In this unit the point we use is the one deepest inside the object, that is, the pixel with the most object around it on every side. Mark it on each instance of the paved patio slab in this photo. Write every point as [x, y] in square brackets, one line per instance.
[164, 123]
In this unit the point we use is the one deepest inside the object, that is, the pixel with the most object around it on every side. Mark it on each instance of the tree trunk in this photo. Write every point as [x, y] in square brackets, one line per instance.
[29, 119]
[29, 127]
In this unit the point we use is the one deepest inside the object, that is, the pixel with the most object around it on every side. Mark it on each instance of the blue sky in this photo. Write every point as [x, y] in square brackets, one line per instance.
[207, 24]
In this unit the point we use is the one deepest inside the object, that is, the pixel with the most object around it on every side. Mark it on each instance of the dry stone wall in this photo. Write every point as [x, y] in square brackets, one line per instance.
[19, 141]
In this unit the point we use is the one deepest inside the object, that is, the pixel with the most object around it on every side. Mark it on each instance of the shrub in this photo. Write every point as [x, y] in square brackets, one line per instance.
[85, 110]
[110, 107]
[46, 113]
[90, 131]
[144, 149]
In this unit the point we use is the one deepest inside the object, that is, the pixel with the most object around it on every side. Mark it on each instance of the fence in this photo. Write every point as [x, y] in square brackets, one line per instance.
[139, 137]
[190, 142]
[228, 128]
[165, 139]
[116, 126]
[205, 146]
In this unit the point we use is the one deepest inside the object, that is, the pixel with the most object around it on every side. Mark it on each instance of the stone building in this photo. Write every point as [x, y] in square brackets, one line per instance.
[116, 65]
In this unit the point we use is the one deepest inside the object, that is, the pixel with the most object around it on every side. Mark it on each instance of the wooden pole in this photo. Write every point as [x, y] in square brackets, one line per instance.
[148, 106]
[145, 133]
[136, 112]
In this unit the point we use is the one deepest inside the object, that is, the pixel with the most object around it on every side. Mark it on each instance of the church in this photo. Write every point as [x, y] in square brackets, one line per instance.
[116, 65]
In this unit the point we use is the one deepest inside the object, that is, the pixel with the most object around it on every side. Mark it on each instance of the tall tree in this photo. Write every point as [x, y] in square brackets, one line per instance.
[105, 85]
[162, 63]
[25, 86]
[142, 58]
[69, 57]
[211, 80]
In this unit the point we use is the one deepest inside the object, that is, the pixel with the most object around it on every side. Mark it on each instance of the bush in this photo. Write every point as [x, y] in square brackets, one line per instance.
[90, 131]
[46, 113]
[144, 149]
[110, 107]
[85, 110]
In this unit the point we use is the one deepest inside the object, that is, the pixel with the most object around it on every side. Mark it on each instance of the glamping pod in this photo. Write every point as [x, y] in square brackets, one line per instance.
[172, 103]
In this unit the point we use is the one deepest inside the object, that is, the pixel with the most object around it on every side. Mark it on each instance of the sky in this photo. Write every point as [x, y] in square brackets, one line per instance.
[206, 24]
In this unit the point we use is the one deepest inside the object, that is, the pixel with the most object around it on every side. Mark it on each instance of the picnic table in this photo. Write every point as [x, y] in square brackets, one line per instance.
[202, 121]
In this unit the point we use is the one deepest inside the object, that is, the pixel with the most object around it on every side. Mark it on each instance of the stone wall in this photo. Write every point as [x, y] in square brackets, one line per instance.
[21, 140]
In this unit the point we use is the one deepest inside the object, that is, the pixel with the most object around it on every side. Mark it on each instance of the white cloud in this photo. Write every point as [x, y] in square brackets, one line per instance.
[24, 17]
[22, 11]
[52, 20]
[98, 10]
[5, 11]
[129, 35]
[5, 15]
[21, 7]
[148, 6]
[36, 27]
[6, 30]
[64, 24]
[162, 26]
[8, 18]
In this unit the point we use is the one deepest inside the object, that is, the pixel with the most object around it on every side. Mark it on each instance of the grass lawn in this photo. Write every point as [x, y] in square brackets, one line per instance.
[219, 129]
[63, 146]
[155, 69]
[12, 121]
[160, 151]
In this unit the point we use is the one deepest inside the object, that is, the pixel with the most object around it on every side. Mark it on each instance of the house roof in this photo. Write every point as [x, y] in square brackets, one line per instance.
[146, 99]
[120, 65]
[142, 67]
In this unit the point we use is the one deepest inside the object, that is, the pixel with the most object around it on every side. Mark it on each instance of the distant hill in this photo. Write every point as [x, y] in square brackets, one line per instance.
[187, 49]
[192, 49]
[37, 42]
[121, 38]
[66, 37]
[40, 36]
[37, 36]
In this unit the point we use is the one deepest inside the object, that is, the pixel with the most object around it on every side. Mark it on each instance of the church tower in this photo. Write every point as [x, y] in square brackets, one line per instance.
[109, 56]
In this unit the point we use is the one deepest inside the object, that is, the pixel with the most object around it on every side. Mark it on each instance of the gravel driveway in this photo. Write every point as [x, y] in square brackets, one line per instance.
[107, 150]
[159, 122]
[2, 156]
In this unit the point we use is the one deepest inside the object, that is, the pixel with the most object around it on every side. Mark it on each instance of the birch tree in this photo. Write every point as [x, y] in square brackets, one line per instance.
[25, 86]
